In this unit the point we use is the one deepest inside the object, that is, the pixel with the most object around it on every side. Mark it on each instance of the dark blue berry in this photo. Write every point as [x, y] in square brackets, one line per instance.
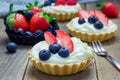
[98, 25]
[47, 2]
[20, 11]
[81, 20]
[11, 47]
[38, 32]
[28, 14]
[64, 52]
[28, 33]
[20, 30]
[52, 1]
[92, 19]
[54, 48]
[44, 54]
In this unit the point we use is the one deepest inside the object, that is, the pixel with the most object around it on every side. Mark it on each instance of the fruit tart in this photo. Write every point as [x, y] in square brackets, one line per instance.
[92, 26]
[63, 55]
[62, 10]
[27, 27]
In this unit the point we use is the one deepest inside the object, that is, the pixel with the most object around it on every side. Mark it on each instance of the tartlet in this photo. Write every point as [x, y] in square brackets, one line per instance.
[77, 60]
[88, 31]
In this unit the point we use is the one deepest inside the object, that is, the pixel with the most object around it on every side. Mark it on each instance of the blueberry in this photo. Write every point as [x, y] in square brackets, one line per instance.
[20, 11]
[98, 25]
[38, 32]
[47, 2]
[28, 14]
[20, 30]
[44, 54]
[54, 48]
[92, 19]
[11, 47]
[28, 33]
[81, 20]
[64, 52]
[52, 1]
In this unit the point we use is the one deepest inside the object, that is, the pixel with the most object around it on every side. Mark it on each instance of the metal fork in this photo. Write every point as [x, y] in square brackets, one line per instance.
[99, 50]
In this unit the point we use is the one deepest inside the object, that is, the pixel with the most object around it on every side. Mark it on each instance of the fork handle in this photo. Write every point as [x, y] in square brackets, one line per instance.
[115, 62]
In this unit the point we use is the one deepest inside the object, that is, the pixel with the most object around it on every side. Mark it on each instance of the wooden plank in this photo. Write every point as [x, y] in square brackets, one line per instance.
[12, 66]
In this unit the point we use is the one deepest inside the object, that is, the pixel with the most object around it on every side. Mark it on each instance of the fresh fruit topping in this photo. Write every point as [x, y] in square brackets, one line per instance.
[28, 33]
[81, 20]
[71, 2]
[11, 47]
[65, 40]
[83, 14]
[109, 9]
[54, 48]
[50, 38]
[28, 14]
[44, 54]
[98, 25]
[92, 13]
[34, 7]
[60, 2]
[19, 30]
[52, 1]
[92, 19]
[38, 32]
[17, 20]
[47, 3]
[39, 21]
[64, 52]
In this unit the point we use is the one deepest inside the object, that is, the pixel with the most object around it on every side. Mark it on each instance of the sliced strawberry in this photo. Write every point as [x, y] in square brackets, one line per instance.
[50, 38]
[71, 2]
[65, 40]
[101, 17]
[36, 9]
[83, 14]
[92, 13]
[60, 2]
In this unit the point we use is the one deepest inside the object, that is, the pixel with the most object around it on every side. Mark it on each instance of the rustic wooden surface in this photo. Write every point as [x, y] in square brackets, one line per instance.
[16, 66]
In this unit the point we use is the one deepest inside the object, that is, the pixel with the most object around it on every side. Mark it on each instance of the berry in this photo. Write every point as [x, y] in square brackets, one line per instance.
[17, 20]
[39, 22]
[28, 33]
[92, 19]
[81, 20]
[19, 30]
[44, 55]
[11, 47]
[83, 13]
[65, 40]
[71, 2]
[64, 52]
[60, 2]
[54, 48]
[21, 12]
[52, 1]
[28, 14]
[50, 38]
[47, 3]
[98, 25]
[38, 32]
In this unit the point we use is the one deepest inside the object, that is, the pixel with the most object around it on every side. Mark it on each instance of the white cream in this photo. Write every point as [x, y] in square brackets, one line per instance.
[81, 52]
[62, 8]
[89, 28]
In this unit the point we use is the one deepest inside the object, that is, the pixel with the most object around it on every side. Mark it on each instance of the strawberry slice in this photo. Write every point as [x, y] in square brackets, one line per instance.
[71, 2]
[60, 2]
[50, 38]
[65, 40]
[83, 14]
[92, 13]
[101, 17]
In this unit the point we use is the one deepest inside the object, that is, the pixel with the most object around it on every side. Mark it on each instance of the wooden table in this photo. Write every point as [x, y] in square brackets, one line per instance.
[17, 66]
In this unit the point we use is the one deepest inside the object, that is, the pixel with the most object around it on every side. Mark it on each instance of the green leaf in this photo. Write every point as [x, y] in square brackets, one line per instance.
[10, 8]
[36, 3]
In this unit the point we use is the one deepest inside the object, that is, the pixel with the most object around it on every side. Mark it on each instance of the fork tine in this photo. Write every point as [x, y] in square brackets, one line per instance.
[94, 46]
[100, 45]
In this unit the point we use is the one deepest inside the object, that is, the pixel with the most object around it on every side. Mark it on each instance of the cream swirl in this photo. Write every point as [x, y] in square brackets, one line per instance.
[62, 8]
[81, 52]
[89, 28]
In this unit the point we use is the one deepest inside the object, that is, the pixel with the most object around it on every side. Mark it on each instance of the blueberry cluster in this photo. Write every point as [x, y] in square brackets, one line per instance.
[53, 48]
[92, 20]
[48, 2]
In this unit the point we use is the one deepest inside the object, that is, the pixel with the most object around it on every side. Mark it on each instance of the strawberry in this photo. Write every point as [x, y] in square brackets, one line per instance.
[83, 13]
[34, 7]
[16, 20]
[71, 2]
[60, 2]
[109, 9]
[92, 13]
[50, 38]
[65, 40]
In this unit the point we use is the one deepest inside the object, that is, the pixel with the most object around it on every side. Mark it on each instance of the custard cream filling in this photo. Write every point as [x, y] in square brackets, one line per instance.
[81, 52]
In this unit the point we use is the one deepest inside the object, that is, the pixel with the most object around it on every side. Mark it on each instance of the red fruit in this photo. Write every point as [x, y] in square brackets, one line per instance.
[16, 20]
[101, 17]
[60, 2]
[92, 13]
[110, 9]
[65, 40]
[36, 9]
[38, 22]
[50, 38]
[83, 14]
[71, 2]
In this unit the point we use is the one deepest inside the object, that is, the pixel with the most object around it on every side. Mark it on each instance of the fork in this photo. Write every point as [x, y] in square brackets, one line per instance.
[100, 51]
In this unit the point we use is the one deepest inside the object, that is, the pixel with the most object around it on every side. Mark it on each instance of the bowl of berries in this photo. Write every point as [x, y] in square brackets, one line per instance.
[27, 27]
